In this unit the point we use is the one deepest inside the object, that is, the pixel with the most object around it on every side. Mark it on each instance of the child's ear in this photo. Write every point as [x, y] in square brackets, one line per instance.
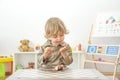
[20, 41]
[28, 41]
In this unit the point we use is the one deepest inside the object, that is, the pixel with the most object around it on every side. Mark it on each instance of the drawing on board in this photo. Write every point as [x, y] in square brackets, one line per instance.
[107, 24]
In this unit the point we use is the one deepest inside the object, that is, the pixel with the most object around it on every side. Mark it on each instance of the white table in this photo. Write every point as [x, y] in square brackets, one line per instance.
[69, 74]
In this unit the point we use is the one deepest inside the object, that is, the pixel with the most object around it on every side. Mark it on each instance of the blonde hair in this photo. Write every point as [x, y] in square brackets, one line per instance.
[53, 26]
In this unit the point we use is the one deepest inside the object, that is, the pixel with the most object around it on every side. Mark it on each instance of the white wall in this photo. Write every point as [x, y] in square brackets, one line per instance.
[21, 19]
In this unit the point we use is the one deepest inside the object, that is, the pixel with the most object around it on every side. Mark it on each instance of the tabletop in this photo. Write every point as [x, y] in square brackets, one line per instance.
[70, 74]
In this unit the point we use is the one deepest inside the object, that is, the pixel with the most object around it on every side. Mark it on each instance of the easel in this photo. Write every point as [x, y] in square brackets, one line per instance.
[94, 51]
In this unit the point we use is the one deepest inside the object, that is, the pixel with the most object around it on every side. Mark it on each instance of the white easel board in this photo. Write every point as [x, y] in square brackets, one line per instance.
[104, 40]
[106, 29]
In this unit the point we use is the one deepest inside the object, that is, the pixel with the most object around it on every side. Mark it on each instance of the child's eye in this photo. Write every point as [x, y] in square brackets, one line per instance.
[55, 36]
[61, 35]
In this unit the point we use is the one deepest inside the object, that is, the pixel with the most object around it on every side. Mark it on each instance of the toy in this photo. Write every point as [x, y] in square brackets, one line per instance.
[79, 47]
[100, 49]
[99, 59]
[24, 47]
[37, 47]
[19, 66]
[31, 65]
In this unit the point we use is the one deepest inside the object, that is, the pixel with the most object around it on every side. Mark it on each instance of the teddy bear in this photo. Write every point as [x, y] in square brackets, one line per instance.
[31, 65]
[24, 47]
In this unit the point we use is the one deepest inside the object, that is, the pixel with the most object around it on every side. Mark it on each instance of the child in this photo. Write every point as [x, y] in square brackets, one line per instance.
[55, 53]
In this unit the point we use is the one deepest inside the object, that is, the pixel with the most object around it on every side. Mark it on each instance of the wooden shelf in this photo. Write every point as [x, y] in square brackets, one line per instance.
[101, 62]
[101, 54]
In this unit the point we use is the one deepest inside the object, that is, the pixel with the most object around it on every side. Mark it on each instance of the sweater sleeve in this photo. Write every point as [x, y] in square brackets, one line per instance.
[68, 59]
[40, 56]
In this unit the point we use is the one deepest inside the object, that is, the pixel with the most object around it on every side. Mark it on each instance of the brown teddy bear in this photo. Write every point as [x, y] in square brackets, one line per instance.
[31, 65]
[24, 47]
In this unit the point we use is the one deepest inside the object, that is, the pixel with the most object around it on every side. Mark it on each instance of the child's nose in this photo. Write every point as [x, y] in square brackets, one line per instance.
[58, 38]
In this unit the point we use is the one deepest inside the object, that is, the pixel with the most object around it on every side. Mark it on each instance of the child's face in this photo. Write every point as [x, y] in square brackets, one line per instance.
[57, 39]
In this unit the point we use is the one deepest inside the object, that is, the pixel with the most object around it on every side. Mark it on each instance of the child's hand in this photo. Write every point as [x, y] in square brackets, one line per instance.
[47, 52]
[63, 50]
[59, 67]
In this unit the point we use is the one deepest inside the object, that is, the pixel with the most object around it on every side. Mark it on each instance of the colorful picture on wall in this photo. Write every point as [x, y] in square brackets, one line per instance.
[112, 50]
[101, 49]
[92, 49]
